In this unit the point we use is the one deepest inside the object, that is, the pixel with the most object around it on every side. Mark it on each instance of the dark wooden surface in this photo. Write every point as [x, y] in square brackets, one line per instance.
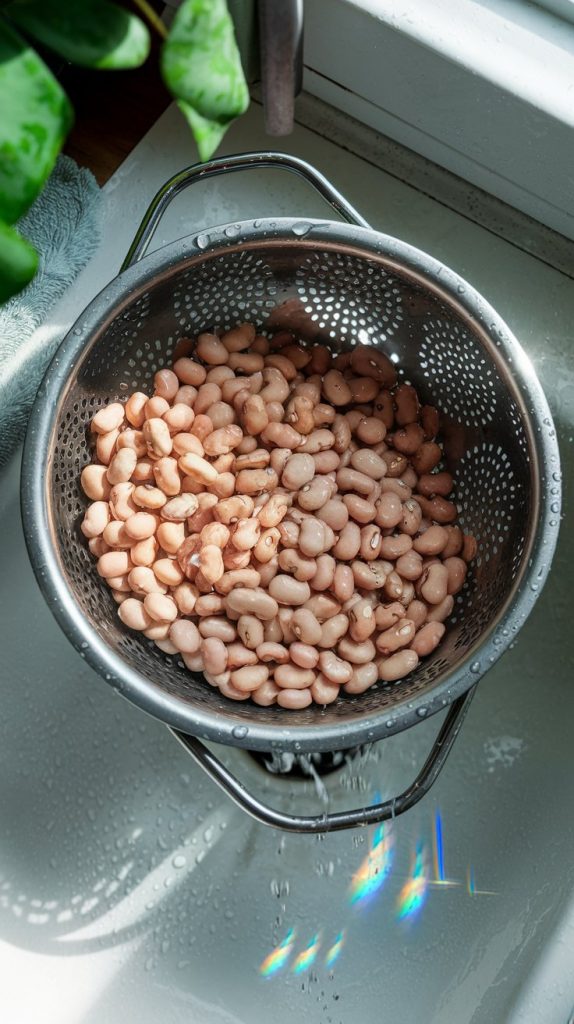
[114, 110]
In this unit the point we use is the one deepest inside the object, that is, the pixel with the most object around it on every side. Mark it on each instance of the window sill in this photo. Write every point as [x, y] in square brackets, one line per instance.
[482, 87]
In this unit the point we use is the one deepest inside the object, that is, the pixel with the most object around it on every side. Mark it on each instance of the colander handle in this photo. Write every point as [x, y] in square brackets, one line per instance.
[339, 820]
[227, 165]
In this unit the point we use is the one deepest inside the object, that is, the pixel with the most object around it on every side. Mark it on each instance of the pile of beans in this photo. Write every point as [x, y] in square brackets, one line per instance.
[277, 515]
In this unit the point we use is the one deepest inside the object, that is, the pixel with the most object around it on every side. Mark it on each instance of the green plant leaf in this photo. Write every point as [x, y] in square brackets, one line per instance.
[18, 262]
[202, 68]
[92, 33]
[36, 116]
[207, 134]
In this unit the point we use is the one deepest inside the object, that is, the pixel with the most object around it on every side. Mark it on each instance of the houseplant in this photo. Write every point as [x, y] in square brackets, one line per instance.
[200, 64]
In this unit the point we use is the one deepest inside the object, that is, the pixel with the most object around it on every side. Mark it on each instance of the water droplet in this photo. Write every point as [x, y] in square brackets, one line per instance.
[179, 861]
[208, 834]
[421, 712]
[534, 587]
[232, 230]
[257, 223]
[553, 522]
[200, 857]
[460, 289]
[78, 330]
[202, 241]
[301, 228]
[557, 477]
[239, 731]
[475, 667]
[388, 724]
[555, 507]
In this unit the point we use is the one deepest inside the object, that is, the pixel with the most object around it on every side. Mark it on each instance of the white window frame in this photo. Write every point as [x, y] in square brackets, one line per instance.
[484, 88]
[562, 8]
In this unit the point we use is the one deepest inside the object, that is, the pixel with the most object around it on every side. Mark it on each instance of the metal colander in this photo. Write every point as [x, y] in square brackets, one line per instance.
[341, 284]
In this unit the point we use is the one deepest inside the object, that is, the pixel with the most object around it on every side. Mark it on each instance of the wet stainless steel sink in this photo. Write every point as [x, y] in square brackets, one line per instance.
[131, 888]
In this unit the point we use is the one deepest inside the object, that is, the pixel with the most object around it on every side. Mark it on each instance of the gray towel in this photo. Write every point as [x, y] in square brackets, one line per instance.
[64, 225]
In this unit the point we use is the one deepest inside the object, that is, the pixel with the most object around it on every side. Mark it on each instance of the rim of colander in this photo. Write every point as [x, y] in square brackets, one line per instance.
[405, 260]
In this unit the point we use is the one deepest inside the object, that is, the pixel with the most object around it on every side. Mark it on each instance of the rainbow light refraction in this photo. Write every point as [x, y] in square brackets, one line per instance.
[375, 868]
[471, 885]
[414, 891]
[306, 957]
[438, 856]
[438, 849]
[334, 952]
[278, 957]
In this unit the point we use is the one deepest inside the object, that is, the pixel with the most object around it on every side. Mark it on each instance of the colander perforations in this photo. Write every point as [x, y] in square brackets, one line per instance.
[212, 296]
[357, 305]
[487, 448]
[457, 372]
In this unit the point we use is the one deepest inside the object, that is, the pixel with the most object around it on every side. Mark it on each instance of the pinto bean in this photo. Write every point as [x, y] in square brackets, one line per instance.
[334, 513]
[289, 591]
[332, 630]
[232, 509]
[361, 510]
[323, 606]
[363, 677]
[305, 626]
[317, 441]
[432, 541]
[457, 570]
[469, 547]
[398, 665]
[250, 629]
[427, 638]
[369, 463]
[299, 470]
[214, 654]
[245, 576]
[433, 584]
[255, 481]
[335, 669]
[362, 623]
[323, 414]
[438, 509]
[353, 480]
[252, 601]
[399, 635]
[370, 575]
[293, 699]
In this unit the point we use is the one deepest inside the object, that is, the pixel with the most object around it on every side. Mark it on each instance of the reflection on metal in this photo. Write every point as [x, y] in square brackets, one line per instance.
[277, 959]
[375, 868]
[306, 958]
[334, 952]
[414, 891]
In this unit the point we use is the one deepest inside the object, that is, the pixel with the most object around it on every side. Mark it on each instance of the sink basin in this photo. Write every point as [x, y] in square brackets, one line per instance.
[131, 888]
